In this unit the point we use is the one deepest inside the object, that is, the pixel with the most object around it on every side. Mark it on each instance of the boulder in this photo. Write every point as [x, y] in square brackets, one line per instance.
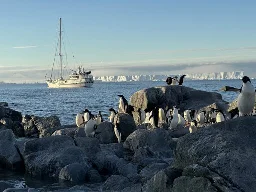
[9, 155]
[6, 112]
[174, 95]
[66, 131]
[224, 148]
[74, 173]
[46, 125]
[4, 185]
[114, 148]
[105, 133]
[150, 170]
[15, 126]
[91, 146]
[45, 157]
[30, 129]
[93, 176]
[126, 124]
[116, 183]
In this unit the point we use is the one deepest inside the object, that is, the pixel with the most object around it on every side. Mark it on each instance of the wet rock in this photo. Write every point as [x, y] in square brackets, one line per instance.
[114, 148]
[93, 176]
[157, 183]
[116, 183]
[150, 170]
[9, 156]
[91, 146]
[10, 114]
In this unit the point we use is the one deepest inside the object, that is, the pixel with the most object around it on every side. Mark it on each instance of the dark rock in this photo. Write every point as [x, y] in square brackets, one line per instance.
[45, 157]
[30, 129]
[185, 183]
[90, 146]
[80, 132]
[224, 148]
[174, 95]
[4, 185]
[3, 104]
[66, 131]
[105, 133]
[114, 148]
[116, 183]
[126, 124]
[9, 156]
[150, 170]
[20, 144]
[93, 176]
[10, 114]
[74, 172]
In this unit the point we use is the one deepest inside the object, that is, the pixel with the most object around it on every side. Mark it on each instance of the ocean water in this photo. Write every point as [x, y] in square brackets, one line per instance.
[37, 99]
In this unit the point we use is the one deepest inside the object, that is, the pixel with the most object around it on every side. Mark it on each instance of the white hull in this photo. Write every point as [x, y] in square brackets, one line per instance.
[58, 84]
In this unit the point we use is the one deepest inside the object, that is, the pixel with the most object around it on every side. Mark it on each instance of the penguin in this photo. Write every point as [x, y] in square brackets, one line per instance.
[212, 116]
[193, 114]
[112, 115]
[173, 121]
[142, 115]
[99, 118]
[90, 128]
[161, 116]
[234, 113]
[129, 110]
[254, 111]
[187, 116]
[181, 120]
[123, 104]
[117, 132]
[147, 116]
[174, 80]
[168, 114]
[193, 126]
[87, 115]
[154, 118]
[219, 116]
[201, 117]
[79, 120]
[246, 98]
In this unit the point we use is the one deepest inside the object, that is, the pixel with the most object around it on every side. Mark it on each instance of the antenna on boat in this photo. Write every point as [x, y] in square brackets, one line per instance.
[60, 53]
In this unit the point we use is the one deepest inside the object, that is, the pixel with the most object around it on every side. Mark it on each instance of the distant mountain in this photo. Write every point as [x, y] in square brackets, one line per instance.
[199, 76]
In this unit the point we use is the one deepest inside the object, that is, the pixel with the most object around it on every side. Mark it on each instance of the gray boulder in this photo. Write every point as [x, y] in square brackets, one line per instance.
[4, 185]
[74, 173]
[105, 133]
[225, 148]
[9, 155]
[174, 95]
[116, 183]
[126, 124]
[45, 157]
[66, 131]
[150, 170]
[93, 176]
[91, 146]
[6, 112]
[114, 148]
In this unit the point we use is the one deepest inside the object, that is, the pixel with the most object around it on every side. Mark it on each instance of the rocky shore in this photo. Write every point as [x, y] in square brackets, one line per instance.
[216, 158]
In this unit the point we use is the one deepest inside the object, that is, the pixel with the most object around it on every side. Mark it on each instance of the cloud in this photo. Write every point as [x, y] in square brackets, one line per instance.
[25, 47]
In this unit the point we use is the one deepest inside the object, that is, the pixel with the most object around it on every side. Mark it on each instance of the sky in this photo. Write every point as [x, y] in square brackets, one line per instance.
[127, 37]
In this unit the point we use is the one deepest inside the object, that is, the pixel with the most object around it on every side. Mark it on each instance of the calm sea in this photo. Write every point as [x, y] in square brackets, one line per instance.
[37, 99]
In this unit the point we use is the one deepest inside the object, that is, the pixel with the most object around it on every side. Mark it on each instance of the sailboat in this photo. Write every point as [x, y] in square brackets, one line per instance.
[78, 78]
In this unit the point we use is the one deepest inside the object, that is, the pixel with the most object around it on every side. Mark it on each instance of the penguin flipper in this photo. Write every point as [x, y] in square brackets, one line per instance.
[181, 79]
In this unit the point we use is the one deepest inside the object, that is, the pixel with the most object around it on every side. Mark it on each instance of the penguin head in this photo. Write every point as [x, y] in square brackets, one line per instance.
[86, 111]
[120, 96]
[169, 80]
[245, 79]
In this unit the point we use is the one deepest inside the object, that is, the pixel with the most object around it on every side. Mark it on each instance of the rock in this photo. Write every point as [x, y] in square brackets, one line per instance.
[80, 132]
[45, 157]
[10, 114]
[91, 146]
[66, 131]
[4, 185]
[20, 144]
[174, 95]
[30, 129]
[105, 133]
[74, 172]
[9, 156]
[224, 148]
[126, 124]
[114, 148]
[150, 170]
[116, 183]
[157, 183]
[93, 176]
[109, 164]
[185, 183]
[3, 104]
[159, 141]
[46, 125]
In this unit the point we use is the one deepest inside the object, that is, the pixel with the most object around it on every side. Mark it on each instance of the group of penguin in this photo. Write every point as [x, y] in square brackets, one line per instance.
[171, 116]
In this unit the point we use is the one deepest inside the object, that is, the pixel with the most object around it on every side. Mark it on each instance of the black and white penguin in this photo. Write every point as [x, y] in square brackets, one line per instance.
[99, 118]
[246, 98]
[219, 116]
[234, 113]
[129, 110]
[193, 114]
[90, 128]
[112, 115]
[187, 116]
[212, 116]
[174, 119]
[142, 115]
[175, 81]
[154, 118]
[79, 120]
[161, 116]
[201, 117]
[193, 126]
[87, 115]
[123, 104]
[117, 131]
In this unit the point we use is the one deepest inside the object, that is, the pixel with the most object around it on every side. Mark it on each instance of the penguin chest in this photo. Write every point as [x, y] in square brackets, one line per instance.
[245, 102]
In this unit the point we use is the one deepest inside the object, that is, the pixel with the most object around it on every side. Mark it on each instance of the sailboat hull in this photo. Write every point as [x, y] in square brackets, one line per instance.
[58, 84]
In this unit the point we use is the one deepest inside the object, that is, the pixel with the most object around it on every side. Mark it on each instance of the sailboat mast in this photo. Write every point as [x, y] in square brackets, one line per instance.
[60, 53]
